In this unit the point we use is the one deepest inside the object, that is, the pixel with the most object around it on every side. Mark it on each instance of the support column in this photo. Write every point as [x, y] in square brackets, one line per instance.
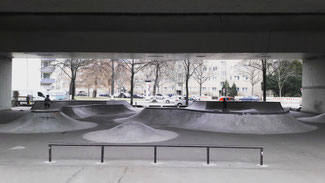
[313, 86]
[5, 83]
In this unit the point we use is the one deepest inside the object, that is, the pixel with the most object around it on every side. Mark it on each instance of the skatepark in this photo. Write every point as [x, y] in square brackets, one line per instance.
[290, 146]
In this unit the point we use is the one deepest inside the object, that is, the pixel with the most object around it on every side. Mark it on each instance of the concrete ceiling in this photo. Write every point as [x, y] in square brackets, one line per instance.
[168, 56]
[165, 6]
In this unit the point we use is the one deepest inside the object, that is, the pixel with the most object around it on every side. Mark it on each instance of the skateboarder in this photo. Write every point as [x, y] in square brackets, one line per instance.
[47, 102]
[224, 102]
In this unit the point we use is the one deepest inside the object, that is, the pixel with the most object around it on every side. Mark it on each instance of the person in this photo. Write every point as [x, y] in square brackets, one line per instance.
[224, 102]
[47, 102]
[28, 99]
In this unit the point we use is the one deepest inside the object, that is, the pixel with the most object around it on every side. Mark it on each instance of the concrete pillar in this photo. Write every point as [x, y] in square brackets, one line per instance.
[5, 83]
[313, 86]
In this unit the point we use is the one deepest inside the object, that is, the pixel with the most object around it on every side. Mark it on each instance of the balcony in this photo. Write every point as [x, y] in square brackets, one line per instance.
[47, 69]
[47, 81]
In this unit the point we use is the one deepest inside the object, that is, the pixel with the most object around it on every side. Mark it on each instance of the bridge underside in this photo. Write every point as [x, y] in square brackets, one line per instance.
[169, 31]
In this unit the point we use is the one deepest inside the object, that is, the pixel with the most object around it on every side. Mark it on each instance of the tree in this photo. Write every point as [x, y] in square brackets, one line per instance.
[189, 67]
[96, 74]
[251, 70]
[73, 66]
[225, 88]
[159, 68]
[283, 73]
[286, 81]
[134, 66]
[202, 74]
[233, 90]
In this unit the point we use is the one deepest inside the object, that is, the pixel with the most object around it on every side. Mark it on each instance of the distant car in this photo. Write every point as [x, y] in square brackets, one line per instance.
[226, 98]
[124, 95]
[138, 96]
[249, 98]
[177, 100]
[59, 95]
[104, 95]
[82, 93]
[159, 96]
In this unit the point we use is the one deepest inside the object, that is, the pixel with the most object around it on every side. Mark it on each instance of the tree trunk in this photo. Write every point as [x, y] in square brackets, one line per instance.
[154, 92]
[186, 86]
[73, 87]
[132, 84]
[200, 89]
[113, 78]
[252, 90]
[264, 79]
[95, 89]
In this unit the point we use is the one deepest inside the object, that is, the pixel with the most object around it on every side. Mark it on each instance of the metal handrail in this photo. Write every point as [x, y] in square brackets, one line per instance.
[155, 148]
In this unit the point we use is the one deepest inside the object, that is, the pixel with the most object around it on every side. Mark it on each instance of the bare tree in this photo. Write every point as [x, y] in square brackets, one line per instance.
[202, 74]
[189, 66]
[283, 72]
[250, 70]
[134, 66]
[97, 74]
[160, 71]
[73, 66]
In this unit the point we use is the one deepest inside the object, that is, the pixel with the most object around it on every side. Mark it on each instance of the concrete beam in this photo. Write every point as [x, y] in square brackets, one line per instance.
[313, 84]
[5, 83]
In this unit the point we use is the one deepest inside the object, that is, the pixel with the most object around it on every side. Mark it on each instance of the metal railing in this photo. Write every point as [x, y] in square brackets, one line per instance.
[155, 149]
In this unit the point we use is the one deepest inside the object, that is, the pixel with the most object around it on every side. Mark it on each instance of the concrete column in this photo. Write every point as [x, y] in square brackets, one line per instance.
[313, 85]
[5, 83]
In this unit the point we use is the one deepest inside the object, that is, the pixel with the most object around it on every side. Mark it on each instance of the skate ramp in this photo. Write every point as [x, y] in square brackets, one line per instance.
[39, 105]
[260, 107]
[130, 132]
[242, 123]
[84, 111]
[315, 119]
[44, 122]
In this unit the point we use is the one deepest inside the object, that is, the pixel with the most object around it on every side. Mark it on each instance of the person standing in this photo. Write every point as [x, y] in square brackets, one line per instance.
[47, 102]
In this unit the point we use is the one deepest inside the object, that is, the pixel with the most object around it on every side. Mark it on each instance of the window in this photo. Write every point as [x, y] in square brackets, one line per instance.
[214, 89]
[205, 69]
[214, 78]
[222, 83]
[244, 89]
[46, 75]
[204, 88]
[237, 89]
[236, 77]
[214, 68]
[223, 73]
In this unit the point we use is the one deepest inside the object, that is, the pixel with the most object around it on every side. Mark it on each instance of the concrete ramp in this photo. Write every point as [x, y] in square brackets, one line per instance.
[130, 132]
[39, 105]
[282, 123]
[315, 119]
[234, 106]
[44, 122]
[84, 111]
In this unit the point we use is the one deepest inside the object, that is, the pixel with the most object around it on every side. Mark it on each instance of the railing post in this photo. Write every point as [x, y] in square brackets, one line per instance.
[50, 153]
[102, 154]
[155, 154]
[208, 155]
[261, 156]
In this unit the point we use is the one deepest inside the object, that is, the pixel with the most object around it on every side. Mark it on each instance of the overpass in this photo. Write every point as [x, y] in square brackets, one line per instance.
[170, 29]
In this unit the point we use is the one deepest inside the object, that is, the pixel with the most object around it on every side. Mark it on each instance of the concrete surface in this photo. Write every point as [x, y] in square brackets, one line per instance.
[288, 158]
[313, 86]
[131, 132]
[5, 83]
[44, 122]
[244, 123]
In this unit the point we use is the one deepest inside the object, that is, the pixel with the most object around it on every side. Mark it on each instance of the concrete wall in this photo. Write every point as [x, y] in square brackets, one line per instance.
[313, 93]
[5, 83]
